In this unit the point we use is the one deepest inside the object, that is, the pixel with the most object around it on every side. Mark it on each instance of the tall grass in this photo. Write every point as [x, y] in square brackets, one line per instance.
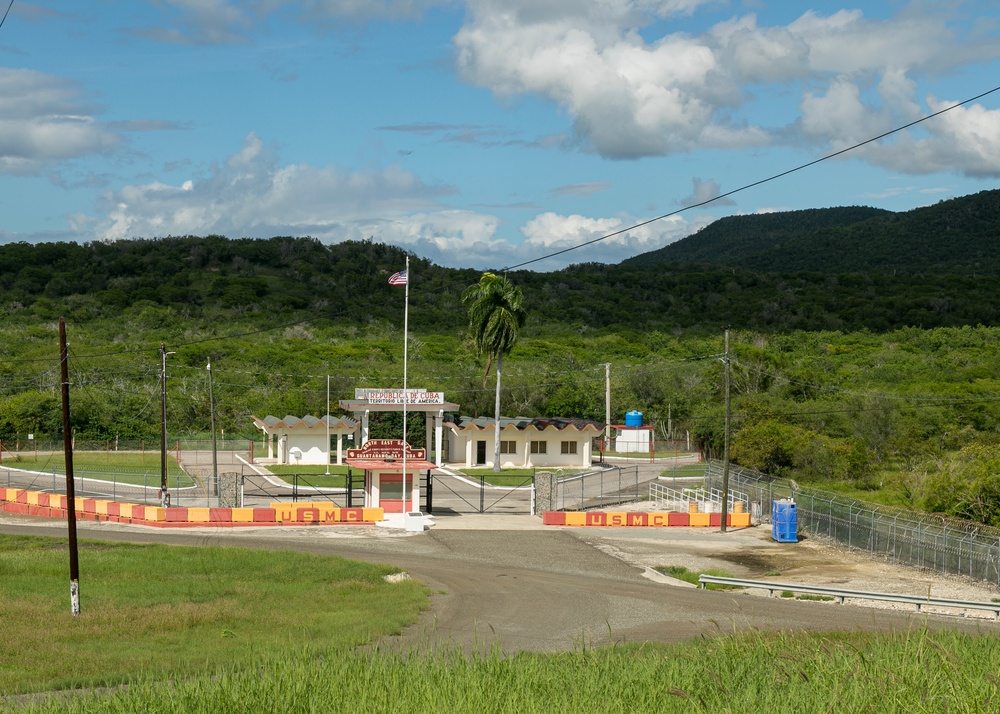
[917, 671]
[166, 611]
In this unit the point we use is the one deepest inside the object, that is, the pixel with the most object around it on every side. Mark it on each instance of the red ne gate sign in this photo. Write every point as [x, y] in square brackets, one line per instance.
[386, 450]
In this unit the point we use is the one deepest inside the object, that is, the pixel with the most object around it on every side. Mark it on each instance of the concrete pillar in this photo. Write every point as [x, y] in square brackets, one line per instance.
[230, 490]
[364, 429]
[438, 433]
[545, 492]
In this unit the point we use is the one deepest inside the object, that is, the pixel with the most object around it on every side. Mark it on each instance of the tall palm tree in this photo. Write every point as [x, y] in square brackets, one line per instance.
[496, 317]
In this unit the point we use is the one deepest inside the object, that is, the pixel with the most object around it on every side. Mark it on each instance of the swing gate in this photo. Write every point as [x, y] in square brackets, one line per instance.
[447, 491]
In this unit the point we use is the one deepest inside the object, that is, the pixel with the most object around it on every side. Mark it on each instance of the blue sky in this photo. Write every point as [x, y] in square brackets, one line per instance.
[481, 133]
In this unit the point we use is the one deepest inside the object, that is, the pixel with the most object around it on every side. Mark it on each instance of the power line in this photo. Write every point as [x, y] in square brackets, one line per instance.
[4, 18]
[752, 185]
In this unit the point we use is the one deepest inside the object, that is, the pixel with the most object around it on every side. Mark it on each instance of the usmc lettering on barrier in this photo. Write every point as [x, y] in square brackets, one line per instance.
[385, 449]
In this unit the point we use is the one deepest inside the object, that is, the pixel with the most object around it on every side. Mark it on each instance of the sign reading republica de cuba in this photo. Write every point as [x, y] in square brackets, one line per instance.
[382, 449]
[398, 396]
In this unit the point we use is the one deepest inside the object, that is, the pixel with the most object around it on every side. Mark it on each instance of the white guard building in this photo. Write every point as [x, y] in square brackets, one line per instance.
[524, 441]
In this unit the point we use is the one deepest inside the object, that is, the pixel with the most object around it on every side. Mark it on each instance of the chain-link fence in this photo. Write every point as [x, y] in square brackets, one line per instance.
[599, 488]
[937, 542]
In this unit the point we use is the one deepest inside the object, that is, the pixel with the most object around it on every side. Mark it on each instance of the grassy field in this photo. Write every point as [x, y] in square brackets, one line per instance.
[232, 630]
[685, 471]
[122, 466]
[754, 672]
[315, 475]
[163, 612]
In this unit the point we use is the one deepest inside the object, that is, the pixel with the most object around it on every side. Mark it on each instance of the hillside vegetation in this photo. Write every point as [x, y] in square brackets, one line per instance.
[869, 382]
[960, 236]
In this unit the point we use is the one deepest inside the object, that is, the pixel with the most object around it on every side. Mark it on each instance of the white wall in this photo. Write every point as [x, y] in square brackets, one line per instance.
[462, 448]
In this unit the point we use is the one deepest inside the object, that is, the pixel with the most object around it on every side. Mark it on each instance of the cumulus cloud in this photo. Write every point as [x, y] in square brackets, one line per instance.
[631, 96]
[252, 194]
[705, 191]
[43, 119]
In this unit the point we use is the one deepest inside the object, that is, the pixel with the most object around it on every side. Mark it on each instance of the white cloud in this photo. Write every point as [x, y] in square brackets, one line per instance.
[252, 195]
[204, 22]
[44, 120]
[629, 96]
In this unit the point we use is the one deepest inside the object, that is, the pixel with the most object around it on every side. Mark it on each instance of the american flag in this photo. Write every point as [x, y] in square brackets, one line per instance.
[398, 278]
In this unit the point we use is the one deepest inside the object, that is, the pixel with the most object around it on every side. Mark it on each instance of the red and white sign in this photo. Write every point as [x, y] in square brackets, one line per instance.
[398, 396]
[386, 450]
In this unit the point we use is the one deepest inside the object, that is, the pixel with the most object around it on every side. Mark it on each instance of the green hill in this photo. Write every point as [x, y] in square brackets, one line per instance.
[958, 236]
[837, 268]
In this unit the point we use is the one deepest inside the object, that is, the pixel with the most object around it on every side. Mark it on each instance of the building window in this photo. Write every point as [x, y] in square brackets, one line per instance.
[569, 447]
[508, 447]
[539, 447]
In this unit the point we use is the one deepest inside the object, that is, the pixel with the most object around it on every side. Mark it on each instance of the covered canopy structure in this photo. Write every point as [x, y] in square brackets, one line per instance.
[292, 440]
[431, 404]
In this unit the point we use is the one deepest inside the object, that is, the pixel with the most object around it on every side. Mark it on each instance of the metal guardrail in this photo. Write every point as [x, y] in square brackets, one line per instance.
[842, 594]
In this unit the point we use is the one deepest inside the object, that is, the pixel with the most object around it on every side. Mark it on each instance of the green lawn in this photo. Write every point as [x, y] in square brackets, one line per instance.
[121, 466]
[165, 612]
[314, 475]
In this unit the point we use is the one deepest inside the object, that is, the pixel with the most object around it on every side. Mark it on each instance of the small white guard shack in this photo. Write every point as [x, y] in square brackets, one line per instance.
[524, 441]
[382, 463]
[304, 441]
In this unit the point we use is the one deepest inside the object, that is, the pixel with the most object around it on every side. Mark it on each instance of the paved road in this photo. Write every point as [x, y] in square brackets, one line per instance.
[530, 588]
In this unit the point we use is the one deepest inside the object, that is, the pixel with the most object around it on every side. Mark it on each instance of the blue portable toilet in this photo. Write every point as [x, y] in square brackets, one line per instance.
[633, 418]
[784, 521]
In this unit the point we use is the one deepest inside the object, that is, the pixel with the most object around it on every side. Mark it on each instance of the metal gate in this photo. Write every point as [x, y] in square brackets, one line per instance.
[451, 491]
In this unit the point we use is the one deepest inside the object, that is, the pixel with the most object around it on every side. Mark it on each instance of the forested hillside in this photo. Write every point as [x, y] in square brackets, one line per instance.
[959, 236]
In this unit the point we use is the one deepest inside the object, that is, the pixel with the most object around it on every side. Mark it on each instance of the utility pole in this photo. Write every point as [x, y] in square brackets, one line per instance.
[164, 493]
[725, 443]
[328, 426]
[74, 560]
[607, 406]
[215, 449]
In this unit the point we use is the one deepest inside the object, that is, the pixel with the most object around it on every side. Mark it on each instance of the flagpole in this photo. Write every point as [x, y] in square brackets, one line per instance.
[406, 344]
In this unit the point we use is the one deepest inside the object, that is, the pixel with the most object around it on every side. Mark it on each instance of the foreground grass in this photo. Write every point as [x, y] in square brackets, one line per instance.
[168, 611]
[916, 671]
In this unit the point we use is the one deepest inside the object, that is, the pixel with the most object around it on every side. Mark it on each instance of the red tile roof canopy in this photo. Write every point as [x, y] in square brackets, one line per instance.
[522, 423]
[310, 422]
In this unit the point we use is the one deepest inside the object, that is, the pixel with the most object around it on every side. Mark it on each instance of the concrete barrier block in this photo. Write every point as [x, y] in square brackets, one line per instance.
[199, 515]
[242, 515]
[701, 520]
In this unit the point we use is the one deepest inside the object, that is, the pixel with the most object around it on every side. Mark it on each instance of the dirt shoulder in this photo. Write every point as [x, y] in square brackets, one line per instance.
[752, 554]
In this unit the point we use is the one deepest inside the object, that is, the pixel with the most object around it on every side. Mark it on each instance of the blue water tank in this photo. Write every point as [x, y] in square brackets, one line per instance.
[633, 418]
[784, 522]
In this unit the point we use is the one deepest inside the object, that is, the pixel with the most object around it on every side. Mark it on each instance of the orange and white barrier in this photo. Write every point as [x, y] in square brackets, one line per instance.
[642, 519]
[46, 505]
